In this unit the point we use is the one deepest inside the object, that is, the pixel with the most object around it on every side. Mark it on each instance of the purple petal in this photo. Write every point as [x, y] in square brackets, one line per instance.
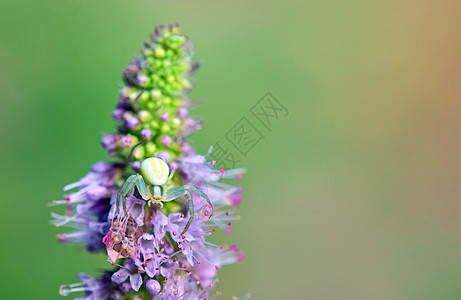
[120, 276]
[151, 268]
[136, 281]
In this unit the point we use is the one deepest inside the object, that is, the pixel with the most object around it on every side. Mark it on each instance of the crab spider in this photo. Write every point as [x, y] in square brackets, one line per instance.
[153, 175]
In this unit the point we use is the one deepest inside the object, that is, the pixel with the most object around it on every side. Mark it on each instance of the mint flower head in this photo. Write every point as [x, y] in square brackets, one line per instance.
[154, 205]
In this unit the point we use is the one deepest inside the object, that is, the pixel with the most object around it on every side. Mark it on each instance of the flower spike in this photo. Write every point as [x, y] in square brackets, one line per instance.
[173, 199]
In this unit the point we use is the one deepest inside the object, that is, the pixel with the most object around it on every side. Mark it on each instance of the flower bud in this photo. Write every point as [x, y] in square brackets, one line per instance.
[166, 141]
[182, 112]
[144, 115]
[156, 94]
[153, 286]
[164, 116]
[146, 133]
[164, 156]
[132, 122]
[142, 79]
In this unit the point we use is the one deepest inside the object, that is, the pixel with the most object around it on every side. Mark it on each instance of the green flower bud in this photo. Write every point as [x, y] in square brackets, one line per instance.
[144, 115]
[150, 148]
[138, 153]
[156, 94]
[159, 52]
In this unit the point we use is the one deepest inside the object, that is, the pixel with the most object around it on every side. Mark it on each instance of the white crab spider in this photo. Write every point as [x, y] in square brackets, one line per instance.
[153, 175]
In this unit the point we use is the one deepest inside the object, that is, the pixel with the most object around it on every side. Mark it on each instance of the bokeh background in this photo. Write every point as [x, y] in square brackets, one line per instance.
[354, 195]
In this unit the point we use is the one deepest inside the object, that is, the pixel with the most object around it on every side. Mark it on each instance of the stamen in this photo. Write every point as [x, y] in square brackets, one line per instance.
[65, 290]
[214, 245]
[64, 220]
[71, 186]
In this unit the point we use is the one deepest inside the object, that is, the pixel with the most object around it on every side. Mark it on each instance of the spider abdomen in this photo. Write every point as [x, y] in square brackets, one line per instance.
[154, 171]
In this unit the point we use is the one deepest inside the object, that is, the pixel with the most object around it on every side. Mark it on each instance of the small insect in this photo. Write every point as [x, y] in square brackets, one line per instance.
[153, 175]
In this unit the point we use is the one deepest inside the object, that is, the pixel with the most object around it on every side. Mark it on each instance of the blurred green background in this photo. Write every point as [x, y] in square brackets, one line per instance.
[354, 195]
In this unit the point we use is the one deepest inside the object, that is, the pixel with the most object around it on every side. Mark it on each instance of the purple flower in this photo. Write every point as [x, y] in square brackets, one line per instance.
[110, 141]
[131, 72]
[197, 171]
[117, 114]
[159, 222]
[87, 208]
[129, 270]
[190, 125]
[186, 149]
[183, 287]
[101, 288]
[236, 198]
[126, 141]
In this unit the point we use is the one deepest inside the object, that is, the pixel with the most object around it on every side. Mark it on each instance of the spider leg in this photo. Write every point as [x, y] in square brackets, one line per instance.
[142, 187]
[195, 189]
[191, 211]
[171, 175]
[175, 193]
[125, 194]
[185, 190]
[125, 190]
[169, 188]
